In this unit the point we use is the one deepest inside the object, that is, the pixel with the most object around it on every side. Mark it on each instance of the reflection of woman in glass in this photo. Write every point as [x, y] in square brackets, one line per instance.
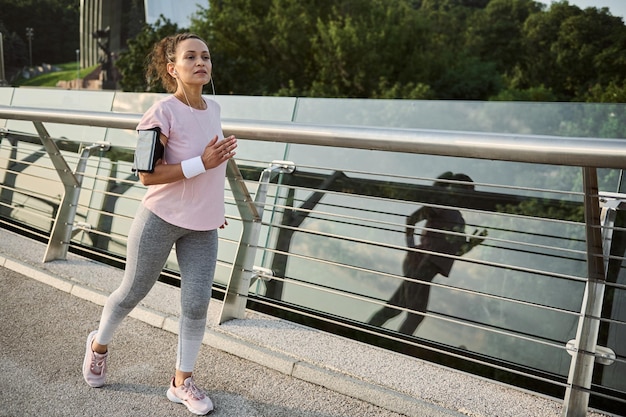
[443, 233]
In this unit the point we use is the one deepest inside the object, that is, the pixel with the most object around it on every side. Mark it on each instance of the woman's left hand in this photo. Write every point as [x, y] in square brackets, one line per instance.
[216, 152]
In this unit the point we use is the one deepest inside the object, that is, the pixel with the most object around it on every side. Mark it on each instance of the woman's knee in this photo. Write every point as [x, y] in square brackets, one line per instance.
[195, 309]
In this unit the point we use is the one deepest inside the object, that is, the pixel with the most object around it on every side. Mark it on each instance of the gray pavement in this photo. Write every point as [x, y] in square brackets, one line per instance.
[258, 366]
[41, 334]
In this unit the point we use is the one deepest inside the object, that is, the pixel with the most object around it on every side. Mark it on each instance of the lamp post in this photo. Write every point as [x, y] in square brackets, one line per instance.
[30, 32]
[2, 79]
[77, 67]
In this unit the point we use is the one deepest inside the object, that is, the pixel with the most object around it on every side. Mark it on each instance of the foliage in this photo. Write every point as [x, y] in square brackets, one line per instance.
[611, 93]
[495, 34]
[540, 93]
[459, 49]
[15, 51]
[131, 63]
[417, 49]
[259, 47]
[570, 51]
[469, 78]
[57, 20]
[535, 207]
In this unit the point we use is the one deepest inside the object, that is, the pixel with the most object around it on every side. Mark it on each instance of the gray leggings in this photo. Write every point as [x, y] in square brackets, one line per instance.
[150, 241]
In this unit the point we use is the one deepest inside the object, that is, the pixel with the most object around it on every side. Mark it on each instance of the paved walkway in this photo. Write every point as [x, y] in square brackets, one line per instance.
[260, 366]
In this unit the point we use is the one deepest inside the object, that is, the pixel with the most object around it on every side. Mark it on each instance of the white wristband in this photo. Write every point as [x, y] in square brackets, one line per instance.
[192, 167]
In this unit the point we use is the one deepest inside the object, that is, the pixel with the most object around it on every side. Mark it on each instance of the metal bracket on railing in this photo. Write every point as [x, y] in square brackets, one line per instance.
[258, 272]
[63, 226]
[611, 204]
[80, 227]
[234, 305]
[603, 355]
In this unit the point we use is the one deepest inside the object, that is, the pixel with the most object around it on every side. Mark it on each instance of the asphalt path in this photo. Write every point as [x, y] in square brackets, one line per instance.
[42, 338]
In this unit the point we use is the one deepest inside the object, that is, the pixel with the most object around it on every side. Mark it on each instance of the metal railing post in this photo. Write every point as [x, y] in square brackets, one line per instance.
[64, 222]
[251, 215]
[576, 398]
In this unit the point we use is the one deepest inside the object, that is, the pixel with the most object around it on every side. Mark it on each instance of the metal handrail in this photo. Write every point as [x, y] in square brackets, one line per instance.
[543, 149]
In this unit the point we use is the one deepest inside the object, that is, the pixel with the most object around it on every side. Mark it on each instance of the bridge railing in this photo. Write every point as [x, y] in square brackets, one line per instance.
[318, 226]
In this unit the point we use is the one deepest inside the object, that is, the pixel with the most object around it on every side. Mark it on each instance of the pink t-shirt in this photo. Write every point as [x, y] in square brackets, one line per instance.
[193, 203]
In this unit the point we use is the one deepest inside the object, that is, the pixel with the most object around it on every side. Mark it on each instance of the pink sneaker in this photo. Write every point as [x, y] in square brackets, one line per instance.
[94, 364]
[193, 397]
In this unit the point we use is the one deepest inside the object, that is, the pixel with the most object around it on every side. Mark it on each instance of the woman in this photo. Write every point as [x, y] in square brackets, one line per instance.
[183, 206]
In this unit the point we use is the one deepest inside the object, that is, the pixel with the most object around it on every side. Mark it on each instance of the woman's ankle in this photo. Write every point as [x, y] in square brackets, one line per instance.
[98, 348]
[180, 377]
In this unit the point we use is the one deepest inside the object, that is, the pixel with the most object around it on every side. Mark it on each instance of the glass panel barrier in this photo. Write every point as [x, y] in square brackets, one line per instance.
[600, 120]
[492, 283]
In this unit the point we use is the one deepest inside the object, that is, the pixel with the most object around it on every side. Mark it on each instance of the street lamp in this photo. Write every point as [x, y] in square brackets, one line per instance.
[2, 80]
[30, 32]
[77, 66]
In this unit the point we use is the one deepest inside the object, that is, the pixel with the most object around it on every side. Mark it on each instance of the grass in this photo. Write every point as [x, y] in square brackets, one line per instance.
[67, 72]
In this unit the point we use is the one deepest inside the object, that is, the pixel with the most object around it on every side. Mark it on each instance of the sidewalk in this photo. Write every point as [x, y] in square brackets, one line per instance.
[260, 366]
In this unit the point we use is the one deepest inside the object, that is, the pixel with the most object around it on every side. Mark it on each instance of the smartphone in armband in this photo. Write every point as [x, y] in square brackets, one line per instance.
[149, 149]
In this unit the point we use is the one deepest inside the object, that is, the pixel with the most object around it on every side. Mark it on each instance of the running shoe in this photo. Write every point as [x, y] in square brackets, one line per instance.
[94, 364]
[190, 395]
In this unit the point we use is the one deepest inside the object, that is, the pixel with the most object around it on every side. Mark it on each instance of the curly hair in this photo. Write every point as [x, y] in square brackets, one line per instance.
[162, 53]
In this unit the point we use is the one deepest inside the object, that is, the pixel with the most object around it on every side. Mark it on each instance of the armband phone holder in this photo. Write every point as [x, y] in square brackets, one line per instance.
[149, 150]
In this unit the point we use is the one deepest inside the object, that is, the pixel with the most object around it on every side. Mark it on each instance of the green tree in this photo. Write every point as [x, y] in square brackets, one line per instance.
[495, 33]
[420, 49]
[540, 93]
[15, 54]
[569, 51]
[586, 47]
[350, 48]
[293, 28]
[469, 78]
[357, 53]
[338, 47]
[261, 47]
[414, 91]
[538, 66]
[132, 62]
[614, 92]
[56, 25]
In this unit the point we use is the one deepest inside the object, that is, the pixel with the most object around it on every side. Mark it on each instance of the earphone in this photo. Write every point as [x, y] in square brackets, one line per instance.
[174, 72]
